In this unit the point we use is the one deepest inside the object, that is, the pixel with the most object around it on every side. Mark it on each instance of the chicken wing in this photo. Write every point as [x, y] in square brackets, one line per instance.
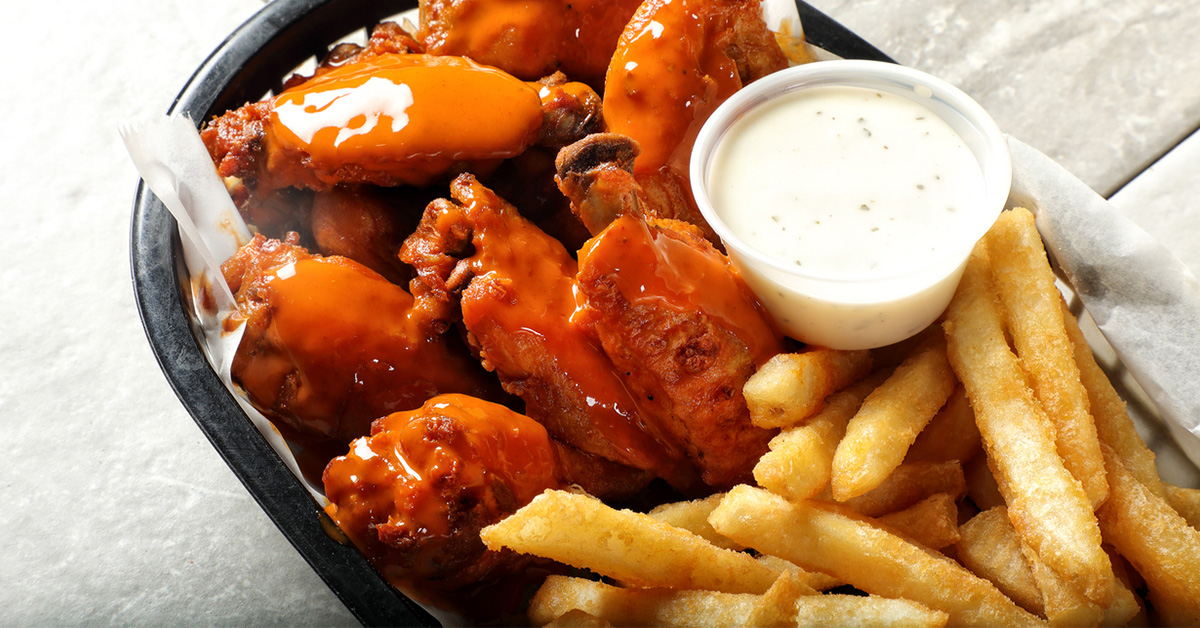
[330, 345]
[669, 310]
[517, 297]
[673, 315]
[528, 39]
[676, 62]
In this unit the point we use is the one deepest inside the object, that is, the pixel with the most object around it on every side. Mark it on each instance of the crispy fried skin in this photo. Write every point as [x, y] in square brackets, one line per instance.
[528, 39]
[367, 225]
[415, 493]
[516, 292]
[676, 62]
[330, 345]
[688, 333]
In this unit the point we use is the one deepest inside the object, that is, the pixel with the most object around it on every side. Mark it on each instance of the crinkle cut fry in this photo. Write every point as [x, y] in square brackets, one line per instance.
[1047, 505]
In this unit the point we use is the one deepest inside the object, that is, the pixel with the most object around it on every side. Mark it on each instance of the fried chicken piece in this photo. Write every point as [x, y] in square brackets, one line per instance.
[676, 62]
[515, 290]
[678, 320]
[367, 225]
[670, 311]
[330, 345]
[528, 39]
[414, 495]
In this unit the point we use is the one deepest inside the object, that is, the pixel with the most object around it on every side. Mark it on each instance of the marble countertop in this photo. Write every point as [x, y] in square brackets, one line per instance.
[117, 509]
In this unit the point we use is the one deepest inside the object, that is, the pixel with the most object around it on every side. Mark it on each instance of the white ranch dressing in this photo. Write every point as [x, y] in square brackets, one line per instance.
[841, 180]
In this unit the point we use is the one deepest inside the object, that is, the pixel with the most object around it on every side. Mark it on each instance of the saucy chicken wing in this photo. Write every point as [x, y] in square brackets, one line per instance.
[669, 310]
[676, 62]
[514, 288]
[330, 345]
[531, 38]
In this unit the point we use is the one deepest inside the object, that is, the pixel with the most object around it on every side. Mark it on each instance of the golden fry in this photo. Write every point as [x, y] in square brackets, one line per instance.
[908, 484]
[990, 547]
[791, 387]
[800, 459]
[693, 517]
[932, 522]
[1064, 606]
[1186, 502]
[1113, 425]
[1047, 505]
[1159, 543]
[815, 580]
[1025, 285]
[633, 548]
[618, 606]
[834, 540]
[893, 414]
[950, 435]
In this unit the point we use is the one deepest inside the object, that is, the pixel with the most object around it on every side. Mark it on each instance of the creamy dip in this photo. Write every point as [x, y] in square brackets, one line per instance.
[849, 210]
[845, 180]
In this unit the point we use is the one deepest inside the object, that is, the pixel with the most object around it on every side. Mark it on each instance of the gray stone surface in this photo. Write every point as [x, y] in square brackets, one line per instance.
[115, 507]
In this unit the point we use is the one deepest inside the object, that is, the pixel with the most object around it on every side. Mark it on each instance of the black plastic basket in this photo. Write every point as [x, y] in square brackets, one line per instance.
[250, 63]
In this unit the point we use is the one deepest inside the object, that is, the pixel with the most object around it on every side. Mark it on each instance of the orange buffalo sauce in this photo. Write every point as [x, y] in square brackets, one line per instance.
[343, 347]
[664, 81]
[526, 299]
[653, 266]
[413, 493]
[411, 116]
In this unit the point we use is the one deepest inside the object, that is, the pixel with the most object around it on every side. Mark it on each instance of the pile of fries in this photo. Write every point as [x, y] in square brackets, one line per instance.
[984, 473]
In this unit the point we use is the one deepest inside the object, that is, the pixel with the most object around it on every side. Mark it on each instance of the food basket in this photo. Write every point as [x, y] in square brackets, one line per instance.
[250, 63]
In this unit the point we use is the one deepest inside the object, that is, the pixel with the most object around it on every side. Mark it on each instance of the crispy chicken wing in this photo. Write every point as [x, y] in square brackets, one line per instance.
[367, 224]
[676, 62]
[529, 38]
[517, 297]
[330, 345]
[675, 317]
[670, 311]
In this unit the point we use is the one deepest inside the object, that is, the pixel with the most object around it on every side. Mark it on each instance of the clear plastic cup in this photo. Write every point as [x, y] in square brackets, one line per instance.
[860, 309]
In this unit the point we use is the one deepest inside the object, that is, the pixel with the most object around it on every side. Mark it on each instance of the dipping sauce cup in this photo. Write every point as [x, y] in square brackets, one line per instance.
[849, 195]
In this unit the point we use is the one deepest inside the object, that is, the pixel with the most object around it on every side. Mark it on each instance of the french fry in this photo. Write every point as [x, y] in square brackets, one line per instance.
[791, 387]
[950, 435]
[618, 606]
[633, 548]
[1159, 543]
[576, 618]
[1032, 310]
[832, 539]
[1186, 502]
[800, 458]
[782, 605]
[815, 580]
[1047, 505]
[981, 484]
[1064, 606]
[853, 611]
[894, 413]
[989, 546]
[932, 522]
[908, 484]
[1114, 427]
[693, 517]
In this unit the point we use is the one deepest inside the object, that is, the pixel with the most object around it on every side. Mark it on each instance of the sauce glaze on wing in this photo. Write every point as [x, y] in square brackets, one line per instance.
[330, 345]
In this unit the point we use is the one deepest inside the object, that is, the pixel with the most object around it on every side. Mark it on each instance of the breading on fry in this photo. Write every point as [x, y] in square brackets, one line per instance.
[1025, 284]
[893, 414]
[1047, 505]
[852, 548]
[630, 547]
[793, 386]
